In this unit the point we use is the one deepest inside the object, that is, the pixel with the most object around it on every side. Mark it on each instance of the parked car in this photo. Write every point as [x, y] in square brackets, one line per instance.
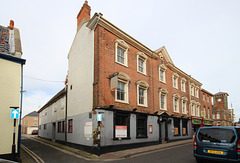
[34, 132]
[217, 144]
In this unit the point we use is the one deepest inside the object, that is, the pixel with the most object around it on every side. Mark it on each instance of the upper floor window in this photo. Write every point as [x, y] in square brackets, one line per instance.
[197, 92]
[142, 96]
[197, 110]
[175, 80]
[141, 63]
[218, 115]
[192, 89]
[213, 116]
[192, 109]
[208, 112]
[163, 98]
[207, 98]
[121, 49]
[162, 73]
[121, 93]
[176, 103]
[204, 112]
[183, 84]
[203, 97]
[184, 105]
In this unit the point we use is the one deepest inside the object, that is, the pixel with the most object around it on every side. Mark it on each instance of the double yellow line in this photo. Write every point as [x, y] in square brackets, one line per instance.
[32, 154]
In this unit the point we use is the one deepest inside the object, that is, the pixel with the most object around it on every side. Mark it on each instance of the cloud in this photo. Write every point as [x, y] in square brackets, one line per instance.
[35, 100]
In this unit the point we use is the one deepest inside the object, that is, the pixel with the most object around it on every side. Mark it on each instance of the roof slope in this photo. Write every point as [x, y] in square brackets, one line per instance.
[32, 114]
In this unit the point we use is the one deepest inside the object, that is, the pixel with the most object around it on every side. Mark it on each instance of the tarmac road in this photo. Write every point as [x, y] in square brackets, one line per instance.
[43, 151]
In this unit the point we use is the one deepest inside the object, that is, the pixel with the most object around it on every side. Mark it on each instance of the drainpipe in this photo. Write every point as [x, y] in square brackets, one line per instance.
[20, 116]
[66, 114]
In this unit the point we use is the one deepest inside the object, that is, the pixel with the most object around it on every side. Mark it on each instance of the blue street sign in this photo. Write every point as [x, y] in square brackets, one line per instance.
[15, 114]
[99, 117]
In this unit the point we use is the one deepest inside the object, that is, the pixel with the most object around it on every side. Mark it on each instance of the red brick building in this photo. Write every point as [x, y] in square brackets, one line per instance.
[125, 92]
[221, 114]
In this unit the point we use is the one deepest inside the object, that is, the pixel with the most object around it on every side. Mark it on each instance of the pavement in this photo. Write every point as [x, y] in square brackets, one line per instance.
[111, 156]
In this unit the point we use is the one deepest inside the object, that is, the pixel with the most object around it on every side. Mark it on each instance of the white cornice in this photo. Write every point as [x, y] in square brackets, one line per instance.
[183, 74]
[97, 19]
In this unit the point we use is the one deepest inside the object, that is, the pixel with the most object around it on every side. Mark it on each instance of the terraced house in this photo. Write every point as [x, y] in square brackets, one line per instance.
[119, 92]
[11, 84]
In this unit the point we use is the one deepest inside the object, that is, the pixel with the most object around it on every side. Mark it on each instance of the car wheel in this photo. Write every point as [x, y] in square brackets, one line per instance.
[198, 160]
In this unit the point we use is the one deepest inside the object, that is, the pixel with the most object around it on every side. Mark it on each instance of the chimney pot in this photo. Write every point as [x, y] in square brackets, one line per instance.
[11, 23]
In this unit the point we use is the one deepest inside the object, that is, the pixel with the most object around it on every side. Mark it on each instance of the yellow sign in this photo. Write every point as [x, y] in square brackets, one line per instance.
[203, 114]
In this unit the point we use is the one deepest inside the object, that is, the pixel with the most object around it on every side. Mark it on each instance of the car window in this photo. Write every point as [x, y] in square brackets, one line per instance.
[216, 135]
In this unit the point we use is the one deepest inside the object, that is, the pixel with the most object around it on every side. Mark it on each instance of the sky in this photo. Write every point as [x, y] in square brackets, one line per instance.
[202, 38]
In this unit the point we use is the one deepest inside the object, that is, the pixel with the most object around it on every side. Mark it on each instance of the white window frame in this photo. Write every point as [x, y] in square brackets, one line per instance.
[144, 85]
[143, 57]
[218, 115]
[163, 69]
[213, 116]
[192, 89]
[124, 78]
[184, 105]
[175, 82]
[192, 106]
[197, 92]
[123, 45]
[164, 92]
[197, 107]
[203, 97]
[176, 98]
[208, 113]
[183, 85]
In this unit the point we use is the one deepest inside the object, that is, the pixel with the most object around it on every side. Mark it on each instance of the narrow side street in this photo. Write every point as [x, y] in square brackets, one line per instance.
[39, 150]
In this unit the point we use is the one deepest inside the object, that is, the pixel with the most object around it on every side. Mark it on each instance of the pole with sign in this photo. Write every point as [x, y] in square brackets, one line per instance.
[14, 115]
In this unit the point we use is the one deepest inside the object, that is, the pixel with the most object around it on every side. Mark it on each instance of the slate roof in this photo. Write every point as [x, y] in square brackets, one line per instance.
[220, 93]
[10, 42]
[32, 114]
[4, 39]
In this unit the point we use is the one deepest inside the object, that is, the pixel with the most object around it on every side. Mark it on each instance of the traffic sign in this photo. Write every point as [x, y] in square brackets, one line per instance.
[14, 114]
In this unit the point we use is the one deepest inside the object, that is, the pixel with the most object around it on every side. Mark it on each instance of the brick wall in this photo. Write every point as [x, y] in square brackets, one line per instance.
[105, 65]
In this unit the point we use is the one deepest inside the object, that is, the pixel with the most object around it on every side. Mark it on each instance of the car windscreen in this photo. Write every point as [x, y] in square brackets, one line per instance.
[216, 135]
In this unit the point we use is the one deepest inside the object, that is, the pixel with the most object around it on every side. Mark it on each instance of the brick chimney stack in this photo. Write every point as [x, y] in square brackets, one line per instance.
[11, 25]
[83, 15]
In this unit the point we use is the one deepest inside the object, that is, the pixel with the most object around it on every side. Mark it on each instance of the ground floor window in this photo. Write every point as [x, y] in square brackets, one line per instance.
[184, 127]
[121, 125]
[176, 126]
[70, 125]
[63, 126]
[141, 126]
[59, 126]
[44, 126]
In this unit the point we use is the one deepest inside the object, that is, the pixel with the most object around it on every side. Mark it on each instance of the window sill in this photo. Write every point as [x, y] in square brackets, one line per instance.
[142, 105]
[163, 109]
[142, 73]
[121, 64]
[164, 82]
[119, 101]
[127, 138]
